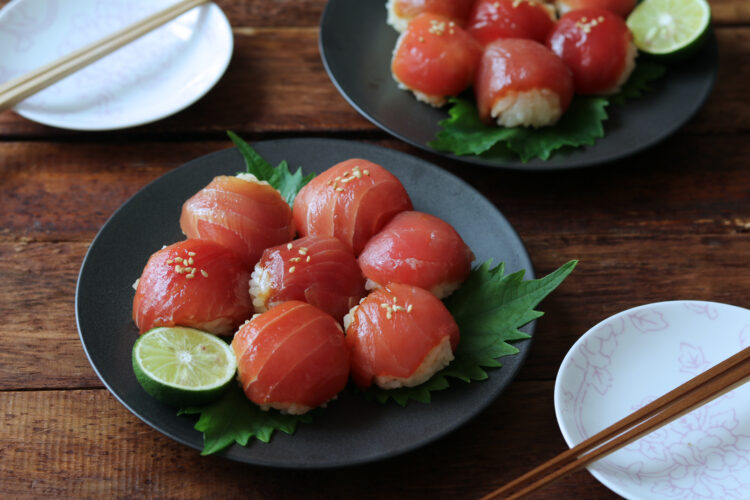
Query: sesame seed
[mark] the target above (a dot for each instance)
(288, 246)
(388, 314)
(295, 259)
(190, 276)
(366, 172)
(191, 254)
(178, 268)
(384, 304)
(421, 39)
(190, 261)
(408, 308)
(178, 259)
(357, 173)
(303, 251)
(338, 178)
(204, 273)
(339, 189)
(292, 269)
(307, 259)
(170, 262)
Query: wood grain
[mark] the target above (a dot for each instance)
(84, 444)
(264, 93)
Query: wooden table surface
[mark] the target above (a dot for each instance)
(670, 223)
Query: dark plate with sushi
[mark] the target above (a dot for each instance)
(352, 430)
(356, 46)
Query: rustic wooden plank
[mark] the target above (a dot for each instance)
(85, 444)
(606, 217)
(263, 92)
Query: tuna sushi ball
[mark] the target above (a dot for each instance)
(193, 283)
(522, 83)
(350, 201)
(400, 12)
(292, 358)
(417, 249)
(435, 59)
(399, 336)
(319, 270)
(598, 48)
(494, 19)
(241, 213)
(620, 7)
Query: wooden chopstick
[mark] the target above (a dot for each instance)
(19, 88)
(712, 383)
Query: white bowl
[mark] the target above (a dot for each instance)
(155, 76)
(633, 357)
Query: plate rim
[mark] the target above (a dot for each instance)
(557, 395)
(524, 345)
(208, 9)
(710, 41)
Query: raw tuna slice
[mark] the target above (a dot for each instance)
(319, 270)
(241, 213)
(292, 358)
(350, 201)
(417, 249)
(194, 283)
(399, 336)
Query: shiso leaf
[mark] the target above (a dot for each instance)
(234, 418)
(279, 177)
(638, 84)
(489, 308)
(463, 133)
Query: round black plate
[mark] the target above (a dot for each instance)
(351, 430)
(356, 45)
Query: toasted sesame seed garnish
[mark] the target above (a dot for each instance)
(339, 189)
(399, 308)
(204, 273)
(190, 261)
(178, 259)
(385, 304)
(408, 308)
(292, 269)
(289, 246)
(356, 173)
(338, 178)
(191, 254)
(366, 172)
(389, 314)
(307, 259)
(190, 276)
(303, 251)
(178, 268)
(329, 182)
(347, 179)
(437, 27)
(295, 259)
(170, 262)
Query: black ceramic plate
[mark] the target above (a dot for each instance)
(356, 45)
(351, 430)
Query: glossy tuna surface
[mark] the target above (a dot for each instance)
(458, 10)
(435, 56)
(494, 19)
(594, 44)
(292, 358)
(243, 215)
(399, 335)
(319, 270)
(193, 283)
(417, 249)
(515, 65)
(350, 201)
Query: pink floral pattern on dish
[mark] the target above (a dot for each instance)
(692, 360)
(704, 455)
(707, 309)
(648, 320)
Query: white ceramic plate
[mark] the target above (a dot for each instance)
(633, 357)
(159, 74)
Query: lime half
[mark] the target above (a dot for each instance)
(182, 366)
(669, 27)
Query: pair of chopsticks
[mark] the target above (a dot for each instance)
(712, 383)
(18, 89)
